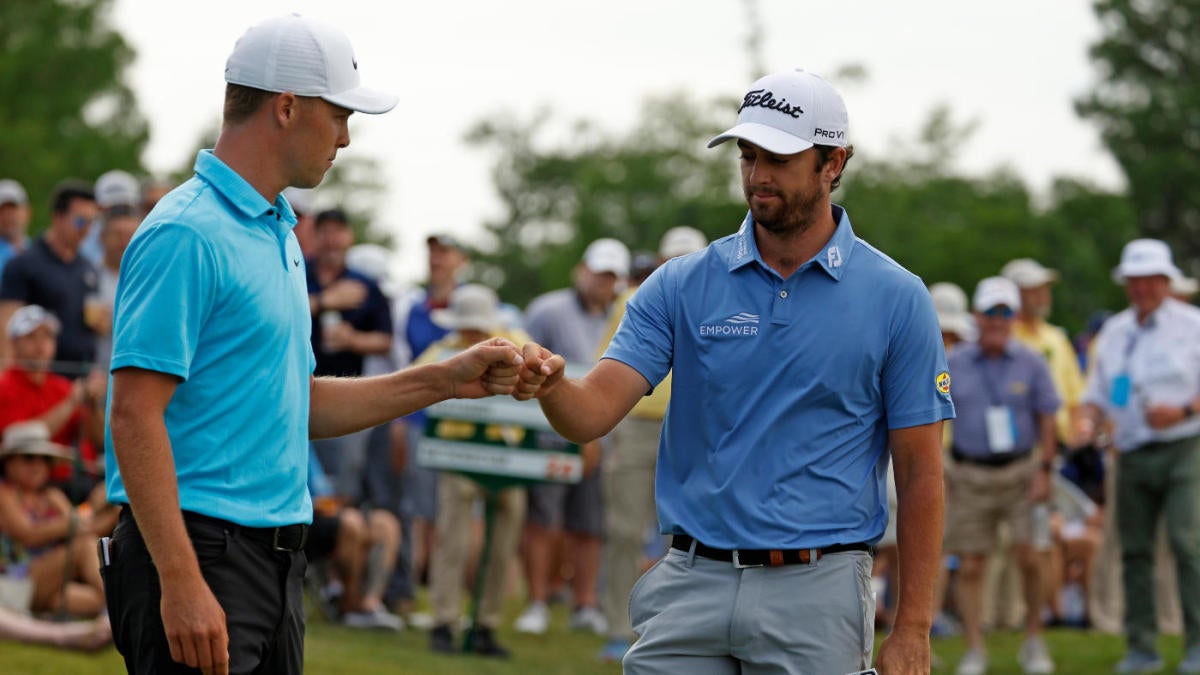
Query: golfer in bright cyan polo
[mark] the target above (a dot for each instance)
(803, 359)
(213, 400)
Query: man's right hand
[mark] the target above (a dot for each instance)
(542, 372)
(343, 294)
(195, 626)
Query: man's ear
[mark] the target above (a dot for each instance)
(834, 164)
(285, 108)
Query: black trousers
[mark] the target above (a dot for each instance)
(259, 588)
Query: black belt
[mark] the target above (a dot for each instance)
(998, 459)
(763, 557)
(290, 538)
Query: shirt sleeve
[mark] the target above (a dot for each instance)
(14, 284)
(1045, 396)
(916, 380)
(645, 337)
(379, 318)
(1096, 391)
(167, 288)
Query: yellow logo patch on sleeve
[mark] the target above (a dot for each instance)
(943, 382)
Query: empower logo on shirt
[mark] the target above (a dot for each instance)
(742, 324)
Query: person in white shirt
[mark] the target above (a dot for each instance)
(1145, 381)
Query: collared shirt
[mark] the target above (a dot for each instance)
(559, 322)
(374, 315)
(1017, 379)
(1162, 361)
(212, 291)
(37, 276)
(1055, 347)
(784, 390)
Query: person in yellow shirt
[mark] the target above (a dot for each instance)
(472, 316)
(628, 472)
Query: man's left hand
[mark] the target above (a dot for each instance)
(486, 369)
(1160, 416)
(904, 652)
(1039, 487)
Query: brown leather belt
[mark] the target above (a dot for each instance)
(764, 557)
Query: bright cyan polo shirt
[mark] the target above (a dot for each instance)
(784, 389)
(212, 290)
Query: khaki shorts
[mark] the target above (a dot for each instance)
(979, 498)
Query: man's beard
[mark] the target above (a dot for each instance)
(795, 215)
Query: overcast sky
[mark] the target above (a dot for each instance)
(1014, 66)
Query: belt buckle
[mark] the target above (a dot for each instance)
(275, 540)
(737, 562)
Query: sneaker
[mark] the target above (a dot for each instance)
(535, 619)
(589, 619)
(378, 618)
(441, 640)
(421, 620)
(1139, 661)
(1191, 662)
(1034, 658)
(485, 644)
(974, 662)
(613, 651)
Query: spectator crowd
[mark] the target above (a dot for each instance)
(1070, 470)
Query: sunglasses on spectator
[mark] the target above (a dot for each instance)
(1000, 311)
(81, 222)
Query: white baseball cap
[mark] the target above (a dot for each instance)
(28, 319)
(995, 291)
(1145, 258)
(607, 255)
(1028, 273)
(305, 57)
(117, 188)
(950, 303)
(11, 192)
(681, 240)
(472, 306)
(789, 112)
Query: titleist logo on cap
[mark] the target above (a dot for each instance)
(762, 98)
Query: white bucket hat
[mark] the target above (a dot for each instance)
(1145, 258)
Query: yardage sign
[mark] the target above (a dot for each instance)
(498, 441)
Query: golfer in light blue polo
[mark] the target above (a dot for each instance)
(804, 360)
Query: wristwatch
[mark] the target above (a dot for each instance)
(1188, 410)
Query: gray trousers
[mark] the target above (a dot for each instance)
(704, 617)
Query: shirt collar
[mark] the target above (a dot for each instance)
(1009, 348)
(237, 191)
(832, 258)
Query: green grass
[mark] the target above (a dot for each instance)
(335, 650)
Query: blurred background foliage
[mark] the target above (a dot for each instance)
(563, 183)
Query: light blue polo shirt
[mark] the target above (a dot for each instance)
(212, 290)
(784, 389)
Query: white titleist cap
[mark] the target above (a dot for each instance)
(1146, 258)
(305, 57)
(996, 291)
(790, 112)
